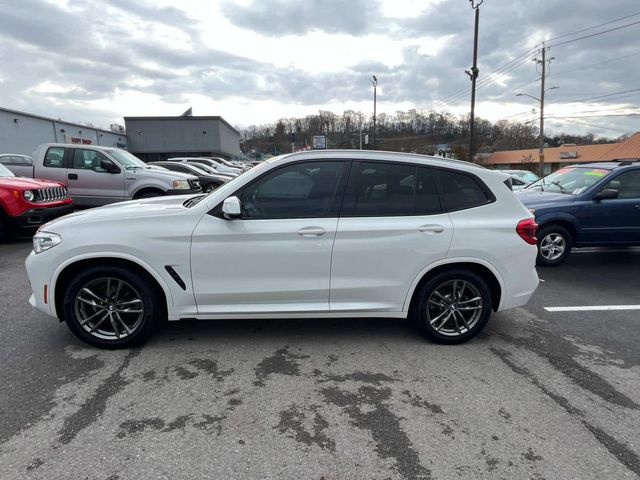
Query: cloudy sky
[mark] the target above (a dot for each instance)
(254, 61)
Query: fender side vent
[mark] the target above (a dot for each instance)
(175, 276)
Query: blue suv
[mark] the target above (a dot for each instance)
(594, 204)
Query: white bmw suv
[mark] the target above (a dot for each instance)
(314, 234)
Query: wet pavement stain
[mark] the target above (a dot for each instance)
(149, 376)
(211, 422)
(36, 463)
(417, 401)
(184, 374)
(93, 408)
(357, 376)
(282, 362)
(619, 450)
(369, 410)
(211, 367)
(504, 414)
(560, 353)
(531, 456)
(135, 427)
(292, 423)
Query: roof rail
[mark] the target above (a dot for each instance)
(626, 161)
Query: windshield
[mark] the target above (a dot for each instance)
(5, 172)
(570, 180)
(127, 160)
(198, 170)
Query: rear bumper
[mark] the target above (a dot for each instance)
(28, 222)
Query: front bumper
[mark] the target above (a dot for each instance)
(28, 222)
(184, 191)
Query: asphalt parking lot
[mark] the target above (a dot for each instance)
(540, 394)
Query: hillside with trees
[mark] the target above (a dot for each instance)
(411, 131)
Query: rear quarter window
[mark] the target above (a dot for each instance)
(461, 191)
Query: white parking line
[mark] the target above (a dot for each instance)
(592, 308)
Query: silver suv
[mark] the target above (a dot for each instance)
(101, 175)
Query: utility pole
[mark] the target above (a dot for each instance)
(473, 75)
(543, 75)
(374, 82)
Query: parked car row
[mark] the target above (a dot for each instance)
(92, 176)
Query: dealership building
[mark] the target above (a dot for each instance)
(159, 138)
(22, 132)
(149, 138)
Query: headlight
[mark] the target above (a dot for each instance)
(28, 195)
(181, 185)
(44, 241)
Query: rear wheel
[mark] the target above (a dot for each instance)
(452, 307)
(111, 307)
(554, 245)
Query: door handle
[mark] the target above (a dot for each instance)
(431, 228)
(72, 176)
(311, 231)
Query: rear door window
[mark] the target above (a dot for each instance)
(427, 197)
(382, 189)
(53, 157)
(461, 191)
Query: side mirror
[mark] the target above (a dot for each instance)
(109, 167)
(606, 194)
(231, 208)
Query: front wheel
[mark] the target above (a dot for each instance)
(111, 307)
(453, 307)
(554, 245)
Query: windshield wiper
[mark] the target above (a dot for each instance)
(557, 184)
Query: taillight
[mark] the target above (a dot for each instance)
(527, 230)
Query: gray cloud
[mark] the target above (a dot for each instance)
(95, 57)
(284, 17)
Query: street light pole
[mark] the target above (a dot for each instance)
(374, 82)
(473, 75)
(541, 101)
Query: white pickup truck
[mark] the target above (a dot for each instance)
(101, 175)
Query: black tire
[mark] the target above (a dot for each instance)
(453, 331)
(135, 283)
(549, 233)
(150, 194)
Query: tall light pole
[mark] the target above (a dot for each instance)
(374, 82)
(473, 74)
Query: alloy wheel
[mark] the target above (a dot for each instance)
(454, 308)
(552, 246)
(109, 308)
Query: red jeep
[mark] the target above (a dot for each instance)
(25, 203)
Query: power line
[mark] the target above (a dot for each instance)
(600, 96)
(591, 28)
(598, 116)
(595, 64)
(595, 34)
